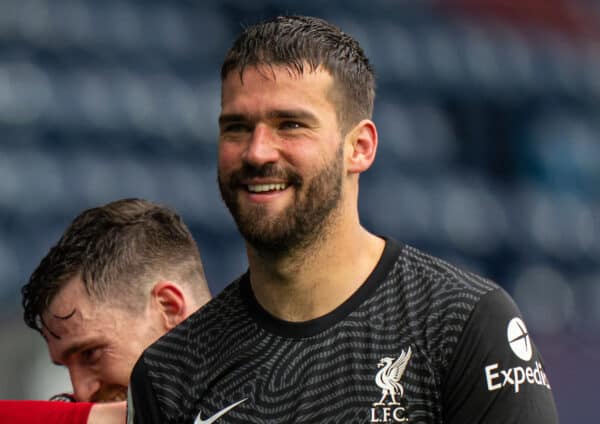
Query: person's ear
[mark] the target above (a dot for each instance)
(169, 300)
(362, 144)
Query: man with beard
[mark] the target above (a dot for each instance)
(331, 323)
(122, 275)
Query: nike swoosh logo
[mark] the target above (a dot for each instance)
(218, 415)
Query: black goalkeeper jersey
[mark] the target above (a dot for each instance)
(419, 342)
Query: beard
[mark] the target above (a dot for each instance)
(301, 223)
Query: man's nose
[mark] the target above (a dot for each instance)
(85, 384)
(262, 146)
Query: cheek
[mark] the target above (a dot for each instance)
(119, 374)
(229, 156)
(117, 366)
(310, 161)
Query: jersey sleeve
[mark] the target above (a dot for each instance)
(43, 412)
(142, 403)
(497, 374)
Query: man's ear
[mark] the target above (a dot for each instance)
(362, 143)
(169, 300)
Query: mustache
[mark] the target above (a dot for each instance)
(113, 394)
(268, 170)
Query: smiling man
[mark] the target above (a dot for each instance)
(256, 188)
(122, 275)
(331, 323)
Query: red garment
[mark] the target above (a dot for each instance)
(43, 412)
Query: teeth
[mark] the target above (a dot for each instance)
(259, 188)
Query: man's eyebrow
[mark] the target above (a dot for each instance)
(232, 117)
(299, 114)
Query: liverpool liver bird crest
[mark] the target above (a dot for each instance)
(388, 377)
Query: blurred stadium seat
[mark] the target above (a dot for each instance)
(488, 154)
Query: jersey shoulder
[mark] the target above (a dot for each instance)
(438, 298)
(440, 277)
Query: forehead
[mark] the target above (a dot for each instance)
(73, 321)
(69, 311)
(276, 86)
(72, 295)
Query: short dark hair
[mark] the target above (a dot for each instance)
(297, 41)
(117, 250)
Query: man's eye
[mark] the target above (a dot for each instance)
(91, 356)
(290, 125)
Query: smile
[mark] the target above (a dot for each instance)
(261, 188)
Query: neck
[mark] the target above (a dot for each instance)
(313, 281)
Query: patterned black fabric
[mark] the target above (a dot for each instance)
(412, 310)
